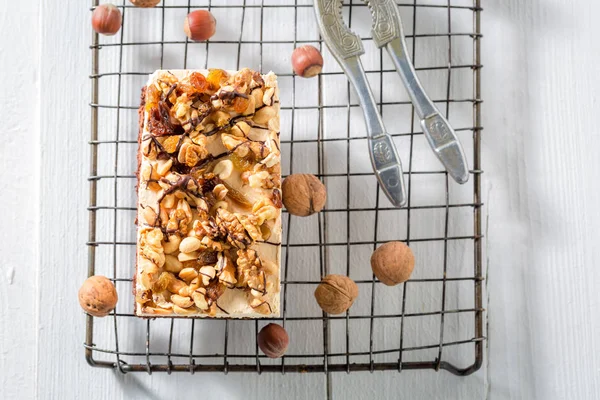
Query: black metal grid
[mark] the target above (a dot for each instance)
(127, 341)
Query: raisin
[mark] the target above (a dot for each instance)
(242, 163)
(160, 122)
(152, 94)
(207, 258)
(198, 82)
(214, 290)
(240, 104)
(216, 77)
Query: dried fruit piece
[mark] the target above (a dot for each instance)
(216, 78)
(152, 97)
(240, 104)
(214, 290)
(207, 258)
(170, 143)
(159, 121)
(198, 82)
(243, 163)
(162, 282)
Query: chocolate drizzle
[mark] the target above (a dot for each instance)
(171, 90)
(228, 95)
(221, 308)
(204, 110)
(263, 303)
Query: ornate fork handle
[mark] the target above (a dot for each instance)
(347, 48)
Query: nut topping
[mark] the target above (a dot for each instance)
(336, 293)
(223, 169)
(210, 195)
(98, 296)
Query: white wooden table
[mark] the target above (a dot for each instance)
(540, 86)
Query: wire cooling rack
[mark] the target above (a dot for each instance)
(433, 321)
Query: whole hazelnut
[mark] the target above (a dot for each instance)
(106, 19)
(336, 293)
(303, 194)
(199, 25)
(273, 340)
(307, 61)
(98, 296)
(393, 263)
(144, 3)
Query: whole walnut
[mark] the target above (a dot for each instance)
(393, 263)
(336, 293)
(98, 296)
(303, 194)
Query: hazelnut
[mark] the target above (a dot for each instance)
(307, 61)
(98, 296)
(303, 194)
(273, 340)
(199, 25)
(392, 263)
(106, 19)
(144, 3)
(336, 293)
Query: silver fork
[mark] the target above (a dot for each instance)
(387, 31)
(347, 48)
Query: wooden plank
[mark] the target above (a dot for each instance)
(19, 174)
(541, 88)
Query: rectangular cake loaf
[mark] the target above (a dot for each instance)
(209, 199)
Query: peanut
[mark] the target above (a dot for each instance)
(172, 245)
(189, 245)
(172, 264)
(180, 301)
(187, 256)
